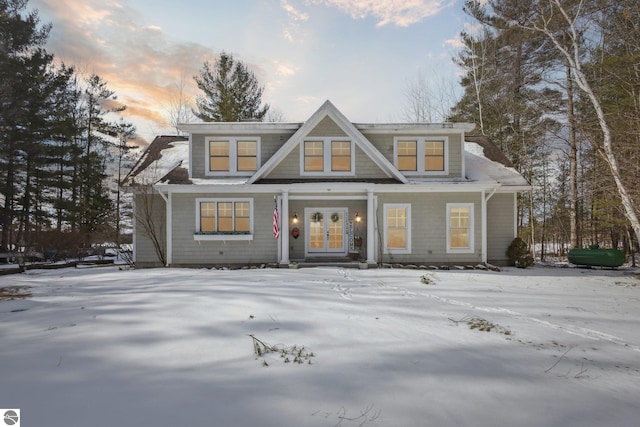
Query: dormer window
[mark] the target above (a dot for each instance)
(421, 155)
(327, 156)
(232, 156)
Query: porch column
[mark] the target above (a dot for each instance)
(371, 220)
(284, 228)
(169, 229)
(484, 226)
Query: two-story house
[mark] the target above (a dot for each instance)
(325, 190)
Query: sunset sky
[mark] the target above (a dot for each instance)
(360, 54)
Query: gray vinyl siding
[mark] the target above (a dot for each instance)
(327, 127)
(288, 168)
(145, 254)
(500, 227)
(384, 144)
(365, 167)
(429, 227)
(269, 144)
(190, 252)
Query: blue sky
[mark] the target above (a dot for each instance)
(360, 54)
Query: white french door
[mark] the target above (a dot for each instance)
(325, 231)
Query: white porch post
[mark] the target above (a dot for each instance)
(371, 220)
(284, 228)
(169, 228)
(484, 226)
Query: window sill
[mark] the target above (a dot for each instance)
(222, 237)
(425, 173)
(228, 174)
(388, 251)
(460, 251)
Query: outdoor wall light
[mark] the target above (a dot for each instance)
(295, 218)
(358, 218)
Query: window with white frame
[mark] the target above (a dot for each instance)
(232, 156)
(397, 228)
(460, 230)
(421, 155)
(224, 219)
(327, 156)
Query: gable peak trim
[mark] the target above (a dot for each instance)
(327, 109)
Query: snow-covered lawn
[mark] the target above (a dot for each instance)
(172, 347)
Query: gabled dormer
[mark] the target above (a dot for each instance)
(422, 150)
(233, 150)
(327, 147)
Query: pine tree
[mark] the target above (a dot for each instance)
(231, 92)
(23, 65)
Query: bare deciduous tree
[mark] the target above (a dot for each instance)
(429, 100)
(180, 108)
(150, 220)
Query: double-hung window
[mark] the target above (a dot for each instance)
(327, 156)
(226, 156)
(397, 228)
(224, 219)
(422, 155)
(460, 229)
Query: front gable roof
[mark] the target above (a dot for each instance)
(328, 110)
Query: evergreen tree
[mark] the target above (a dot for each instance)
(23, 68)
(53, 143)
(231, 92)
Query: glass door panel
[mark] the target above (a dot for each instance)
(326, 230)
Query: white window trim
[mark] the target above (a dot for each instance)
(327, 158)
(471, 248)
(225, 237)
(233, 155)
(392, 251)
(420, 154)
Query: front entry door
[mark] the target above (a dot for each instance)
(325, 230)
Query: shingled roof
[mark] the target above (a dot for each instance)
(165, 160)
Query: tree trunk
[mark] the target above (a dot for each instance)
(574, 240)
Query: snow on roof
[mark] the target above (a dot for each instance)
(480, 168)
(165, 160)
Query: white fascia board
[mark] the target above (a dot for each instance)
(327, 188)
(411, 128)
(234, 127)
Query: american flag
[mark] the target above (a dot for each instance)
(276, 224)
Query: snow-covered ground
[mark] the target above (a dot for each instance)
(172, 347)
